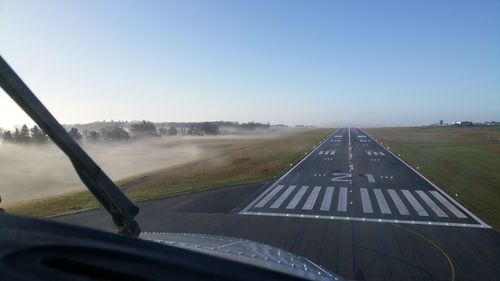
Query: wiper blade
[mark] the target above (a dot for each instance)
(122, 210)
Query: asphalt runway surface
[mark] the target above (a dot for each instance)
(351, 206)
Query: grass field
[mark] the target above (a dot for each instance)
(234, 161)
(464, 162)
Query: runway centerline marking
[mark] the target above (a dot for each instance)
(370, 177)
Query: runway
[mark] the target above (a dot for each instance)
(352, 177)
(350, 205)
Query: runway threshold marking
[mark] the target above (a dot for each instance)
(365, 201)
(447, 204)
(342, 206)
(384, 208)
(327, 199)
(312, 198)
(435, 208)
(414, 203)
(297, 197)
(398, 202)
(269, 196)
(283, 197)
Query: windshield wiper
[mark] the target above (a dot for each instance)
(107, 193)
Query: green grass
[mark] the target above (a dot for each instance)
(462, 161)
(235, 161)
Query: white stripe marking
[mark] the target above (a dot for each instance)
(365, 201)
(269, 196)
(399, 203)
(381, 153)
(448, 205)
(321, 152)
(384, 208)
(283, 197)
(368, 152)
(312, 198)
(414, 203)
(375, 153)
(328, 217)
(370, 177)
(327, 200)
(297, 197)
(431, 204)
(342, 206)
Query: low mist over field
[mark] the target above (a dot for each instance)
(30, 171)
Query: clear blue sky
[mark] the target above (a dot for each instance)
(292, 62)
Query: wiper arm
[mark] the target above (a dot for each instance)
(107, 193)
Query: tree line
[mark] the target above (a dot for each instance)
(25, 135)
(137, 130)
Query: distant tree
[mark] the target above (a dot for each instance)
(162, 131)
(23, 136)
(7, 137)
(117, 134)
(17, 135)
(143, 128)
(172, 130)
(75, 134)
(93, 136)
(38, 136)
(209, 128)
(194, 130)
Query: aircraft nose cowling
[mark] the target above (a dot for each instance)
(246, 251)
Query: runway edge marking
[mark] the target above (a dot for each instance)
(244, 211)
(481, 222)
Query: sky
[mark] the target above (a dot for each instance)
(326, 63)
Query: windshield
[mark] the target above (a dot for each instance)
(363, 137)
